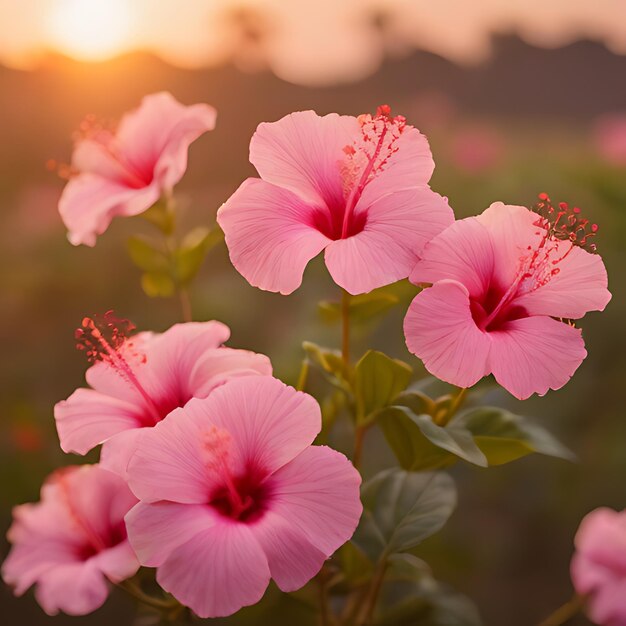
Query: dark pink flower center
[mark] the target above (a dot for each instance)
(242, 496)
(490, 313)
(363, 160)
(132, 174)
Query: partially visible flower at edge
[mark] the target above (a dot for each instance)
(232, 493)
(137, 380)
(499, 280)
(354, 187)
(598, 567)
(72, 541)
(126, 170)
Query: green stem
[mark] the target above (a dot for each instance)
(371, 599)
(326, 618)
(134, 590)
(345, 328)
(565, 613)
(458, 400)
(359, 436)
(185, 304)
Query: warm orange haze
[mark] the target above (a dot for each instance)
(522, 103)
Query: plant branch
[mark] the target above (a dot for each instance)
(345, 328)
(565, 613)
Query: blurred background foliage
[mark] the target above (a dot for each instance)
(524, 121)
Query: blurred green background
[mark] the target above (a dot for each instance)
(524, 121)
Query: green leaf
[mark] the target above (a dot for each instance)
(363, 307)
(146, 255)
(330, 363)
(158, 284)
(504, 436)
(356, 567)
(401, 509)
(378, 380)
(420, 444)
(193, 249)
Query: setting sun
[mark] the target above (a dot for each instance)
(90, 29)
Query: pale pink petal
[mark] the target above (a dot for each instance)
(101, 498)
(398, 226)
(269, 422)
(608, 604)
(156, 529)
(88, 417)
(302, 152)
(462, 252)
(217, 572)
(218, 366)
(117, 451)
(292, 559)
(89, 203)
(269, 234)
(117, 563)
(411, 164)
(534, 354)
(579, 286)
(513, 230)
(94, 157)
(318, 493)
(155, 137)
(169, 462)
(75, 589)
(440, 330)
(600, 549)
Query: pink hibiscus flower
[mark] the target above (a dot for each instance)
(137, 381)
(124, 172)
(356, 187)
(232, 493)
(599, 565)
(499, 282)
(71, 541)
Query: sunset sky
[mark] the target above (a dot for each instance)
(305, 41)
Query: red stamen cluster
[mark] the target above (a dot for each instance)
(565, 223)
(102, 335)
(94, 128)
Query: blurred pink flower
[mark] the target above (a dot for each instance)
(356, 187)
(499, 282)
(476, 150)
(71, 541)
(232, 493)
(125, 172)
(599, 565)
(609, 138)
(139, 380)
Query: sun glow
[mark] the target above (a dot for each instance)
(90, 30)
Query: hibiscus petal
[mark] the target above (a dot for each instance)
(88, 417)
(117, 563)
(89, 203)
(117, 451)
(440, 330)
(156, 529)
(218, 366)
(169, 461)
(269, 422)
(269, 235)
(217, 572)
(534, 354)
(155, 137)
(462, 252)
(75, 589)
(318, 493)
(302, 152)
(292, 559)
(398, 226)
(607, 605)
(579, 286)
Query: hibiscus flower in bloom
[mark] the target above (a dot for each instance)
(356, 187)
(137, 380)
(599, 565)
(232, 494)
(503, 285)
(72, 541)
(125, 171)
